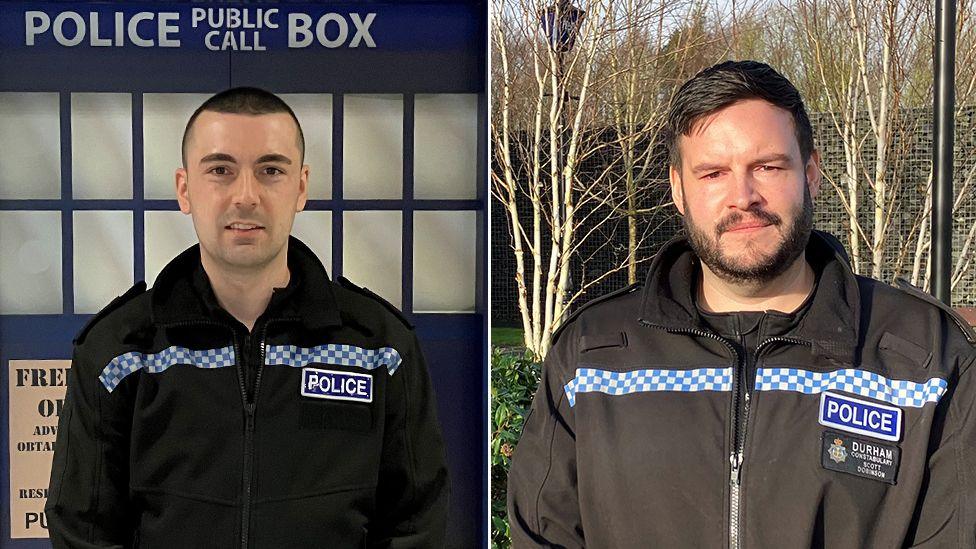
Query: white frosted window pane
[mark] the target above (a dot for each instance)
(167, 234)
(444, 261)
(372, 248)
(372, 146)
(164, 117)
(102, 258)
(30, 146)
(30, 262)
(314, 112)
(445, 135)
(101, 145)
(315, 230)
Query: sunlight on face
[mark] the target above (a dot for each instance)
(744, 191)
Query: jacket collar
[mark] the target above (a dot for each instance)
(830, 324)
(309, 298)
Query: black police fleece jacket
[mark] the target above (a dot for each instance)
(182, 429)
(850, 424)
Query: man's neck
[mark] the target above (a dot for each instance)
(786, 293)
(245, 294)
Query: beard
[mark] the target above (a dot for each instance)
(749, 266)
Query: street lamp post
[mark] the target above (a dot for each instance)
(940, 254)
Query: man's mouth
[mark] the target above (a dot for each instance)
(244, 228)
(747, 226)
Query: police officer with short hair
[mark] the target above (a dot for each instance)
(246, 400)
(754, 391)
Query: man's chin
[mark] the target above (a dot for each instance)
(749, 266)
(246, 258)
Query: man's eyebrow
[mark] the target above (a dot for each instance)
(776, 157)
(705, 166)
(218, 157)
(274, 158)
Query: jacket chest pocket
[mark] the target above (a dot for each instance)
(345, 416)
(336, 399)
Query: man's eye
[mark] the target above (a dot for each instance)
(271, 170)
(768, 168)
(712, 175)
(219, 170)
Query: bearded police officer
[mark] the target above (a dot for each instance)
(754, 391)
(246, 400)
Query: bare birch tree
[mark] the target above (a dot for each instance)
(554, 155)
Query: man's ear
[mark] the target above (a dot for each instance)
(182, 191)
(677, 191)
(302, 189)
(814, 175)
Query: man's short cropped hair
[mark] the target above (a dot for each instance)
(721, 85)
(244, 100)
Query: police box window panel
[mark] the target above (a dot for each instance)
(445, 146)
(30, 265)
(30, 137)
(372, 251)
(101, 145)
(372, 146)
(164, 117)
(102, 255)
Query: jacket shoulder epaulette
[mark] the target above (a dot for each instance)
(591, 303)
(345, 283)
(138, 289)
(917, 292)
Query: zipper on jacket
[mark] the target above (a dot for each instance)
(249, 409)
(739, 436)
(740, 418)
(738, 455)
(735, 457)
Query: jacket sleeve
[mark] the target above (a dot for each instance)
(543, 502)
(414, 490)
(88, 497)
(946, 511)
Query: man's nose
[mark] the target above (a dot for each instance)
(744, 194)
(245, 190)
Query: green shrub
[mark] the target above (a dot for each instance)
(514, 378)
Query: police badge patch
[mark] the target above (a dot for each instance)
(837, 451)
(859, 416)
(335, 385)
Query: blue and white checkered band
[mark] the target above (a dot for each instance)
(859, 382)
(129, 363)
(342, 355)
(592, 380)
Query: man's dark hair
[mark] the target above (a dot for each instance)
(244, 100)
(721, 85)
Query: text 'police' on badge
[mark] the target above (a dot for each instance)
(334, 385)
(860, 416)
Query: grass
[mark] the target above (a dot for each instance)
(507, 337)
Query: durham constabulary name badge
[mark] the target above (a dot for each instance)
(860, 456)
